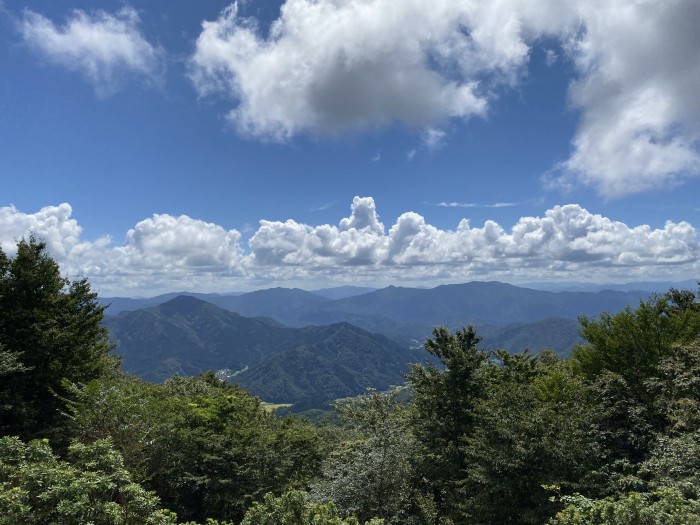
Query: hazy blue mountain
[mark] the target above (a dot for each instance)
(187, 336)
(341, 292)
(407, 315)
(282, 304)
(116, 305)
(645, 286)
(559, 335)
(411, 312)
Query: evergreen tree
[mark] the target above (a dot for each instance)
(444, 399)
(50, 332)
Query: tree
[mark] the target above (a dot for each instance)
(91, 486)
(292, 508)
(630, 361)
(206, 447)
(631, 343)
(51, 327)
(665, 507)
(369, 474)
(444, 399)
(529, 431)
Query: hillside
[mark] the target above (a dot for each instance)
(187, 336)
(344, 361)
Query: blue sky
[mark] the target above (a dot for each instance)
(379, 142)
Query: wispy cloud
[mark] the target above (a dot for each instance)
(551, 57)
(473, 204)
(323, 207)
(377, 157)
(107, 49)
(434, 139)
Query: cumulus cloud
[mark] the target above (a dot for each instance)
(161, 252)
(53, 223)
(107, 49)
(356, 241)
(165, 252)
(168, 242)
(640, 72)
(329, 66)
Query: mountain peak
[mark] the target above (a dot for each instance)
(184, 304)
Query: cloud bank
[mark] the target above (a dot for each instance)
(107, 49)
(165, 253)
(329, 66)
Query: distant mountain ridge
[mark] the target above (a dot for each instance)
(290, 345)
(407, 315)
(479, 302)
(644, 286)
(188, 336)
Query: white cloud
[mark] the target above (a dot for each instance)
(164, 252)
(454, 204)
(329, 66)
(357, 241)
(168, 242)
(107, 49)
(434, 139)
(551, 57)
(53, 223)
(640, 72)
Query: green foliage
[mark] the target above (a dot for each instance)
(207, 448)
(665, 507)
(292, 508)
(675, 462)
(369, 474)
(10, 363)
(676, 387)
(633, 342)
(637, 377)
(444, 400)
(50, 331)
(528, 431)
(91, 486)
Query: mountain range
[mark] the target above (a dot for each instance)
(290, 345)
(407, 315)
(187, 336)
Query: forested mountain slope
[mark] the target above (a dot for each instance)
(187, 336)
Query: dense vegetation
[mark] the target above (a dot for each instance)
(610, 435)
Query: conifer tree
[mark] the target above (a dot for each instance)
(51, 327)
